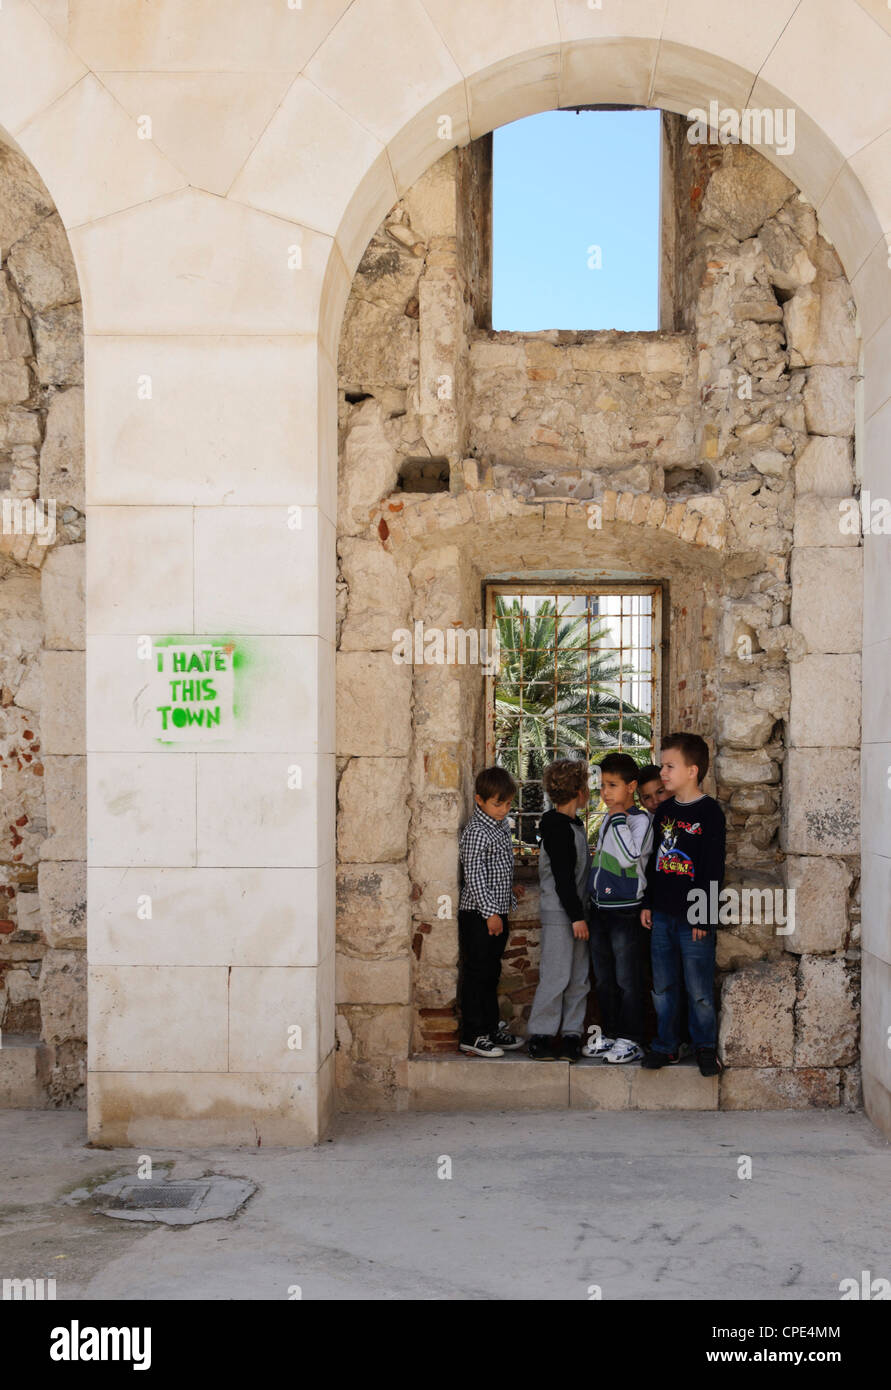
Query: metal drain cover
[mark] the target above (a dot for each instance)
(173, 1203)
(154, 1196)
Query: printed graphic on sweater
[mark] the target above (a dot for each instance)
(670, 859)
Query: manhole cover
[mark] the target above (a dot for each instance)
(142, 1196)
(172, 1203)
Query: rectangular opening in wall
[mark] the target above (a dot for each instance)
(579, 677)
(576, 221)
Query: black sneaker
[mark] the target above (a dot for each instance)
(482, 1047)
(509, 1042)
(654, 1060)
(539, 1048)
(708, 1061)
(569, 1048)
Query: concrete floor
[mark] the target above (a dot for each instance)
(539, 1205)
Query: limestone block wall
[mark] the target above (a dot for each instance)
(718, 455)
(42, 868)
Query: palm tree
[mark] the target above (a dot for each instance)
(555, 696)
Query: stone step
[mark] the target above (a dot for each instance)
(21, 1087)
(449, 1082)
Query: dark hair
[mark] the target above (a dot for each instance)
(564, 779)
(692, 748)
(622, 765)
(650, 773)
(494, 783)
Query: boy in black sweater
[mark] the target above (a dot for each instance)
(688, 856)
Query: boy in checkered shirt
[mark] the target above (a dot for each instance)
(487, 861)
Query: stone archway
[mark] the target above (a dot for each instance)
(42, 548)
(351, 102)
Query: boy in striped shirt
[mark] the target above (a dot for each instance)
(618, 879)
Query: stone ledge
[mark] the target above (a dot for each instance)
(697, 521)
(515, 1082)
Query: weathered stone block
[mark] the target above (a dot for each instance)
(826, 598)
(772, 1088)
(821, 812)
(374, 911)
(741, 724)
(818, 521)
(42, 266)
(62, 455)
(62, 889)
(62, 594)
(372, 823)
(435, 986)
(63, 996)
(826, 1024)
(825, 709)
(379, 596)
(744, 192)
(757, 1025)
(824, 467)
(64, 702)
(434, 867)
(829, 401)
(820, 325)
(746, 769)
(373, 705)
(821, 903)
(379, 1031)
(59, 346)
(66, 809)
(372, 981)
(369, 468)
(439, 946)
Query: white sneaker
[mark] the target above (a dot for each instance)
(624, 1050)
(597, 1044)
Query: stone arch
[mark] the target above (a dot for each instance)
(351, 119)
(42, 550)
(860, 255)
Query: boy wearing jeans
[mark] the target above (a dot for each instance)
(617, 885)
(487, 859)
(688, 854)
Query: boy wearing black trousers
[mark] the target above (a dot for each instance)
(487, 860)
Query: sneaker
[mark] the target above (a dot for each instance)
(508, 1042)
(597, 1043)
(482, 1047)
(708, 1061)
(569, 1048)
(654, 1060)
(539, 1048)
(624, 1050)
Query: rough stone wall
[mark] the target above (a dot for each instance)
(42, 804)
(718, 455)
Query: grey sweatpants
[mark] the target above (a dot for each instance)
(559, 1003)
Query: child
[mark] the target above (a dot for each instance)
(688, 854)
(651, 793)
(487, 858)
(650, 788)
(617, 884)
(563, 867)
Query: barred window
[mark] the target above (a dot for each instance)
(579, 677)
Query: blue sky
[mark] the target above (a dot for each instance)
(563, 182)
